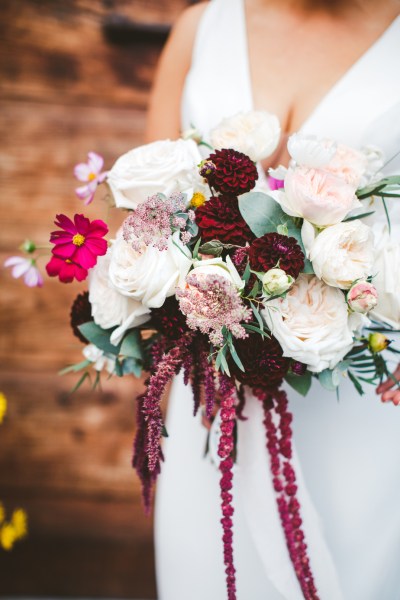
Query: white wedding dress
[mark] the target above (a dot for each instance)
(348, 452)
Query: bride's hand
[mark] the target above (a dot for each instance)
(385, 389)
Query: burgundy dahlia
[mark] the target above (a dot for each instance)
(233, 172)
(220, 219)
(263, 361)
(272, 248)
(81, 312)
(169, 320)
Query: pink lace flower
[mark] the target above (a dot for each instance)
(65, 270)
(79, 241)
(91, 173)
(210, 303)
(27, 268)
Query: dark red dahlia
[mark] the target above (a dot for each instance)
(81, 312)
(220, 219)
(169, 320)
(273, 248)
(263, 361)
(232, 173)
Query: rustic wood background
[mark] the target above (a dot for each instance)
(74, 77)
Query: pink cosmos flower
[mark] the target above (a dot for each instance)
(91, 173)
(26, 267)
(79, 242)
(65, 270)
(275, 184)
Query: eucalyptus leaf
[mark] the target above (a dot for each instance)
(356, 383)
(329, 379)
(131, 366)
(99, 337)
(214, 247)
(300, 383)
(131, 345)
(79, 382)
(261, 212)
(75, 368)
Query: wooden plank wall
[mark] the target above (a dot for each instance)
(66, 90)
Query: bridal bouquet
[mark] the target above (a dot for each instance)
(242, 282)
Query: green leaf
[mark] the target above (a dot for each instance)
(131, 345)
(196, 249)
(235, 356)
(247, 273)
(359, 216)
(99, 337)
(300, 383)
(250, 327)
(261, 212)
(118, 368)
(131, 365)
(224, 364)
(329, 379)
(75, 368)
(215, 248)
(79, 383)
(164, 431)
(257, 316)
(356, 383)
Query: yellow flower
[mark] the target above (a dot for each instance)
(3, 406)
(19, 521)
(378, 342)
(2, 513)
(7, 536)
(197, 200)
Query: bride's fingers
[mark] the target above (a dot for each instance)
(389, 383)
(392, 396)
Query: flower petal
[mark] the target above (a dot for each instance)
(33, 278)
(82, 192)
(82, 224)
(65, 223)
(14, 260)
(95, 162)
(84, 257)
(82, 171)
(96, 246)
(64, 251)
(21, 269)
(97, 228)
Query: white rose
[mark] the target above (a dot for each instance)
(110, 308)
(310, 151)
(276, 281)
(343, 253)
(255, 133)
(387, 274)
(316, 195)
(216, 266)
(160, 167)
(98, 358)
(149, 276)
(312, 323)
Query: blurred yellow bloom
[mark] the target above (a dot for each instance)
(7, 536)
(197, 200)
(19, 521)
(3, 406)
(2, 513)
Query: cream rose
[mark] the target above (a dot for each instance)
(255, 133)
(387, 274)
(343, 253)
(316, 195)
(312, 324)
(160, 167)
(310, 151)
(149, 276)
(348, 164)
(110, 308)
(216, 266)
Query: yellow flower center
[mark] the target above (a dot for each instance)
(197, 199)
(78, 239)
(91, 176)
(3, 406)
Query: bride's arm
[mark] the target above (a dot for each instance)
(164, 112)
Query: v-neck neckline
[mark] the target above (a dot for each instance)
(336, 85)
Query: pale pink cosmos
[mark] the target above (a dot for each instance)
(362, 297)
(27, 268)
(90, 172)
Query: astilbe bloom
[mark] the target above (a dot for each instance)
(27, 268)
(76, 247)
(210, 303)
(274, 249)
(230, 172)
(263, 361)
(91, 173)
(154, 221)
(219, 218)
(81, 312)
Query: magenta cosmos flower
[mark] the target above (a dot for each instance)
(66, 270)
(27, 268)
(80, 241)
(89, 172)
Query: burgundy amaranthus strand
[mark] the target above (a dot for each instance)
(225, 450)
(147, 449)
(279, 445)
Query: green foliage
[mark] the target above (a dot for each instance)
(300, 383)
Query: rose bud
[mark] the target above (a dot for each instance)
(377, 342)
(362, 297)
(275, 282)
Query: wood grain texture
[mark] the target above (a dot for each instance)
(66, 90)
